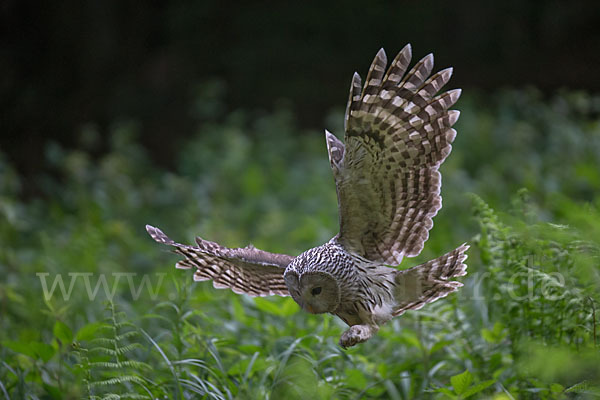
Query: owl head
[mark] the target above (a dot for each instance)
(315, 291)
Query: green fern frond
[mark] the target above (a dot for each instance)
(114, 396)
(133, 396)
(106, 364)
(118, 380)
(105, 350)
(127, 335)
(117, 365)
(126, 324)
(117, 350)
(128, 348)
(103, 341)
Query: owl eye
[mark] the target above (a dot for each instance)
(316, 291)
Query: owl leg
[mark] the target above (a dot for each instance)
(357, 334)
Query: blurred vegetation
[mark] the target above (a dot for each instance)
(62, 66)
(522, 186)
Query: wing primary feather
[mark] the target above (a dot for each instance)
(398, 68)
(158, 235)
(335, 151)
(417, 75)
(353, 98)
(374, 77)
(435, 83)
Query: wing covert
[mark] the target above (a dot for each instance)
(245, 270)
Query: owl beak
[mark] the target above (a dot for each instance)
(310, 309)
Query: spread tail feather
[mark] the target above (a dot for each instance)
(428, 282)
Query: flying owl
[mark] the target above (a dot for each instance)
(398, 131)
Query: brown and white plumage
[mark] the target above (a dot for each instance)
(398, 132)
(245, 270)
(397, 135)
(428, 282)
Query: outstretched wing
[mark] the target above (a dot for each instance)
(398, 132)
(428, 282)
(245, 270)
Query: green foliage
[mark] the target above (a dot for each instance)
(90, 307)
(105, 364)
(463, 386)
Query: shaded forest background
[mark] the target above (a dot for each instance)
(66, 65)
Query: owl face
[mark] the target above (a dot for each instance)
(315, 292)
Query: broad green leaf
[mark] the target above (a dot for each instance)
(439, 345)
(53, 391)
(461, 382)
(43, 350)
(382, 369)
(267, 306)
(239, 367)
(488, 335)
(499, 329)
(376, 391)
(289, 307)
(282, 308)
(355, 378)
(62, 332)
(249, 348)
(495, 335)
(19, 347)
(36, 350)
(410, 338)
(557, 388)
(447, 392)
(238, 311)
(88, 331)
(477, 388)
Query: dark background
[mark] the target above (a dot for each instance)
(67, 64)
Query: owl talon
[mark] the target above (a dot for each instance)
(357, 334)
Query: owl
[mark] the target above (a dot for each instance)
(398, 131)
